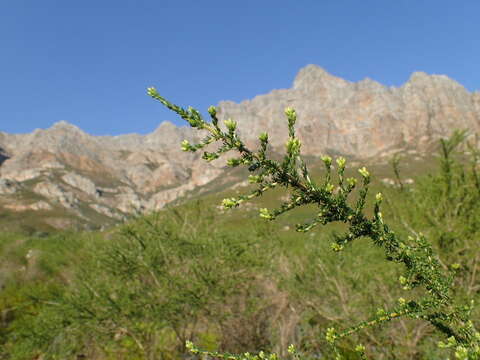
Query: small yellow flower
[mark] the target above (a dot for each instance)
(327, 160)
(263, 137)
(186, 145)
(360, 348)
(230, 124)
(229, 203)
(151, 91)
(331, 335)
(290, 112)
(341, 162)
(364, 172)
(264, 213)
(212, 110)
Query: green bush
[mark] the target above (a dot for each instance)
(432, 300)
(157, 282)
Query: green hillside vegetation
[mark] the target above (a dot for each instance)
(234, 282)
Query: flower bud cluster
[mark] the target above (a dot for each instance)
(293, 146)
(331, 335)
(186, 146)
(327, 160)
(234, 162)
(255, 179)
(364, 172)
(341, 163)
(212, 110)
(264, 213)
(230, 124)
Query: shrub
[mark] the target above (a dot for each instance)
(145, 290)
(431, 300)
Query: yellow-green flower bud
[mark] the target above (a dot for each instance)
(212, 110)
(329, 188)
(379, 197)
(455, 266)
(264, 213)
(254, 179)
(291, 349)
(341, 162)
(327, 160)
(186, 145)
(291, 115)
(151, 91)
(263, 137)
(230, 124)
(191, 347)
(352, 182)
(210, 156)
(293, 145)
(360, 348)
(331, 335)
(380, 312)
(290, 112)
(229, 203)
(233, 162)
(461, 353)
(364, 172)
(402, 301)
(336, 247)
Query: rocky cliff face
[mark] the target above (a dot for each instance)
(62, 170)
(362, 119)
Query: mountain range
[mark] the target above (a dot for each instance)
(64, 176)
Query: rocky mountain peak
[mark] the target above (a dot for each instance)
(314, 76)
(65, 126)
(165, 128)
(370, 85)
(440, 82)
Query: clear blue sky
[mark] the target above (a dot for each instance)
(89, 62)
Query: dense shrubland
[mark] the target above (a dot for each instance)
(142, 290)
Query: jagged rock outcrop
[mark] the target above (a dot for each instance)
(117, 175)
(106, 211)
(39, 205)
(80, 182)
(360, 119)
(8, 186)
(56, 193)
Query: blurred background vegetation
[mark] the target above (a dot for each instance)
(233, 282)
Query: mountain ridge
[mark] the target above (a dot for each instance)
(112, 176)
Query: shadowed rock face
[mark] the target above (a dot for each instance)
(3, 156)
(115, 175)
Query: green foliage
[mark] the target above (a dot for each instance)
(431, 300)
(155, 283)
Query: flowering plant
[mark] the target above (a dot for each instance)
(422, 270)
